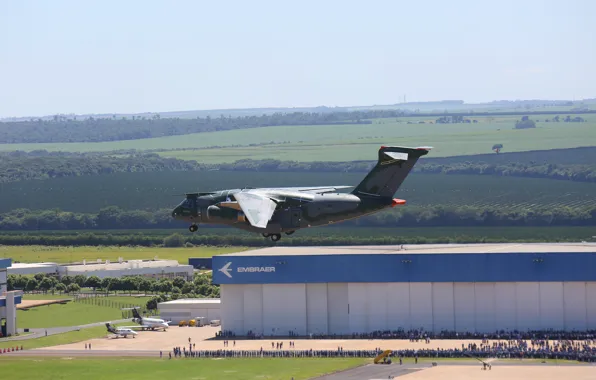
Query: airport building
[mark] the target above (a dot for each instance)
(186, 309)
(8, 303)
(150, 268)
(464, 288)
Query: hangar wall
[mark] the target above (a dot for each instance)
(345, 308)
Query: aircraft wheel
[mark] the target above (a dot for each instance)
(193, 228)
(275, 237)
(265, 235)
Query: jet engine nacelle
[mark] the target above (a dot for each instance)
(215, 213)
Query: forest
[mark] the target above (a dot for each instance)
(199, 287)
(113, 218)
(577, 164)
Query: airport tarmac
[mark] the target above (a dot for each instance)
(202, 337)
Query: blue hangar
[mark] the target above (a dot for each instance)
(463, 288)
(8, 303)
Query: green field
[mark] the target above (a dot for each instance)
(71, 314)
(349, 142)
(357, 142)
(146, 369)
(158, 190)
(540, 233)
(57, 339)
(33, 253)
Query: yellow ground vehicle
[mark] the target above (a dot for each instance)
(182, 324)
(383, 358)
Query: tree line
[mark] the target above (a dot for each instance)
(96, 129)
(201, 286)
(20, 166)
(114, 218)
(213, 238)
(93, 129)
(579, 173)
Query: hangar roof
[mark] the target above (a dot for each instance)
(5, 263)
(32, 265)
(423, 249)
(187, 301)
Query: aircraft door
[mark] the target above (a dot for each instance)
(295, 217)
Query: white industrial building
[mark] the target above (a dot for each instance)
(464, 288)
(186, 309)
(8, 303)
(149, 268)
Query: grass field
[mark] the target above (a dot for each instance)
(157, 190)
(70, 314)
(430, 232)
(354, 142)
(59, 339)
(32, 253)
(349, 142)
(146, 369)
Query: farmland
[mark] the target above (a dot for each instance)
(33, 253)
(347, 142)
(153, 191)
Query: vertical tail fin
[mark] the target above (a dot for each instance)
(393, 166)
(135, 313)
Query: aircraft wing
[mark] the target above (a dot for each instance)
(136, 327)
(257, 207)
(316, 189)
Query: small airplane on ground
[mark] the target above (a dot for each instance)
(120, 331)
(273, 211)
(148, 323)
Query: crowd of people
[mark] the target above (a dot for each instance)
(580, 346)
(418, 335)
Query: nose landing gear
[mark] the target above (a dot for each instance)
(193, 228)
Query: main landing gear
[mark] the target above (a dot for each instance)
(193, 228)
(273, 237)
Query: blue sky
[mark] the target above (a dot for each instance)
(148, 56)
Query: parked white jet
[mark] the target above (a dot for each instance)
(149, 323)
(120, 331)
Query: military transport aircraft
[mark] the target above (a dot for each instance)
(273, 211)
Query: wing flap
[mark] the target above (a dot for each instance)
(258, 208)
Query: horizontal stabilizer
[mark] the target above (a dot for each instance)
(398, 156)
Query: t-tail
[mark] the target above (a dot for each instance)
(392, 168)
(135, 314)
(110, 328)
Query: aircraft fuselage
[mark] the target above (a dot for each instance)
(296, 210)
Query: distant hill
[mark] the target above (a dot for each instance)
(431, 106)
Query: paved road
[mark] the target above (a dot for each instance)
(382, 371)
(37, 333)
(376, 371)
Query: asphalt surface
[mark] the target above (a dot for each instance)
(385, 371)
(37, 333)
(376, 371)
